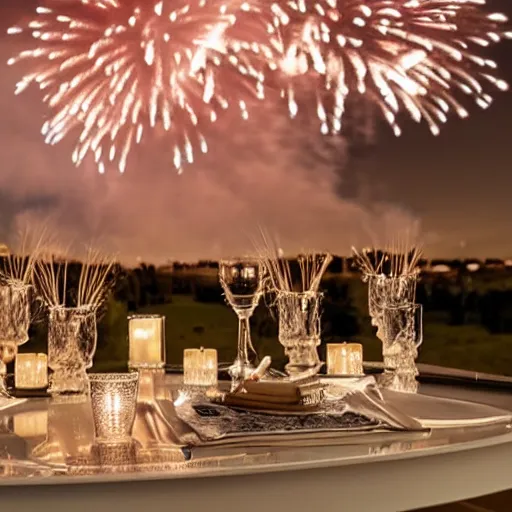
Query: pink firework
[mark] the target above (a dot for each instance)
(112, 71)
(421, 56)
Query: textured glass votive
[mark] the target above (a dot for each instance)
(200, 367)
(344, 359)
(31, 371)
(113, 398)
(147, 341)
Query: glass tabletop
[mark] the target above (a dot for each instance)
(43, 438)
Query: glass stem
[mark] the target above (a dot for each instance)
(3, 380)
(243, 341)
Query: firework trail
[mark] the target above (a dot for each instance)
(114, 70)
(415, 55)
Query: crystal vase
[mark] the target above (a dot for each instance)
(14, 324)
(402, 334)
(72, 340)
(299, 330)
(389, 290)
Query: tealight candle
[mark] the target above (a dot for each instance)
(31, 424)
(31, 371)
(344, 359)
(200, 367)
(147, 341)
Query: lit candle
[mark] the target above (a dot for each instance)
(31, 371)
(31, 424)
(113, 398)
(344, 359)
(147, 341)
(113, 409)
(200, 367)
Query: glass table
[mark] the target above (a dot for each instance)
(458, 459)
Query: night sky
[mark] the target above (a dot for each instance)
(459, 183)
(270, 172)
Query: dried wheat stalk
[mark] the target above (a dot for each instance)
(278, 272)
(51, 277)
(18, 266)
(399, 258)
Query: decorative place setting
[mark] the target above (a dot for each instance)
(260, 409)
(141, 421)
(124, 422)
(198, 419)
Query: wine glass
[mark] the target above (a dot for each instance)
(242, 280)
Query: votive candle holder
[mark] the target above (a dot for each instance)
(113, 398)
(147, 341)
(344, 359)
(31, 424)
(200, 367)
(31, 371)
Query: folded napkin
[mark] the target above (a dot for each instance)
(285, 396)
(263, 405)
(284, 389)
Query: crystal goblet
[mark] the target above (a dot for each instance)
(241, 280)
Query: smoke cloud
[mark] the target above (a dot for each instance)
(268, 171)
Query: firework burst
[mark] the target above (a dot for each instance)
(114, 70)
(417, 55)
